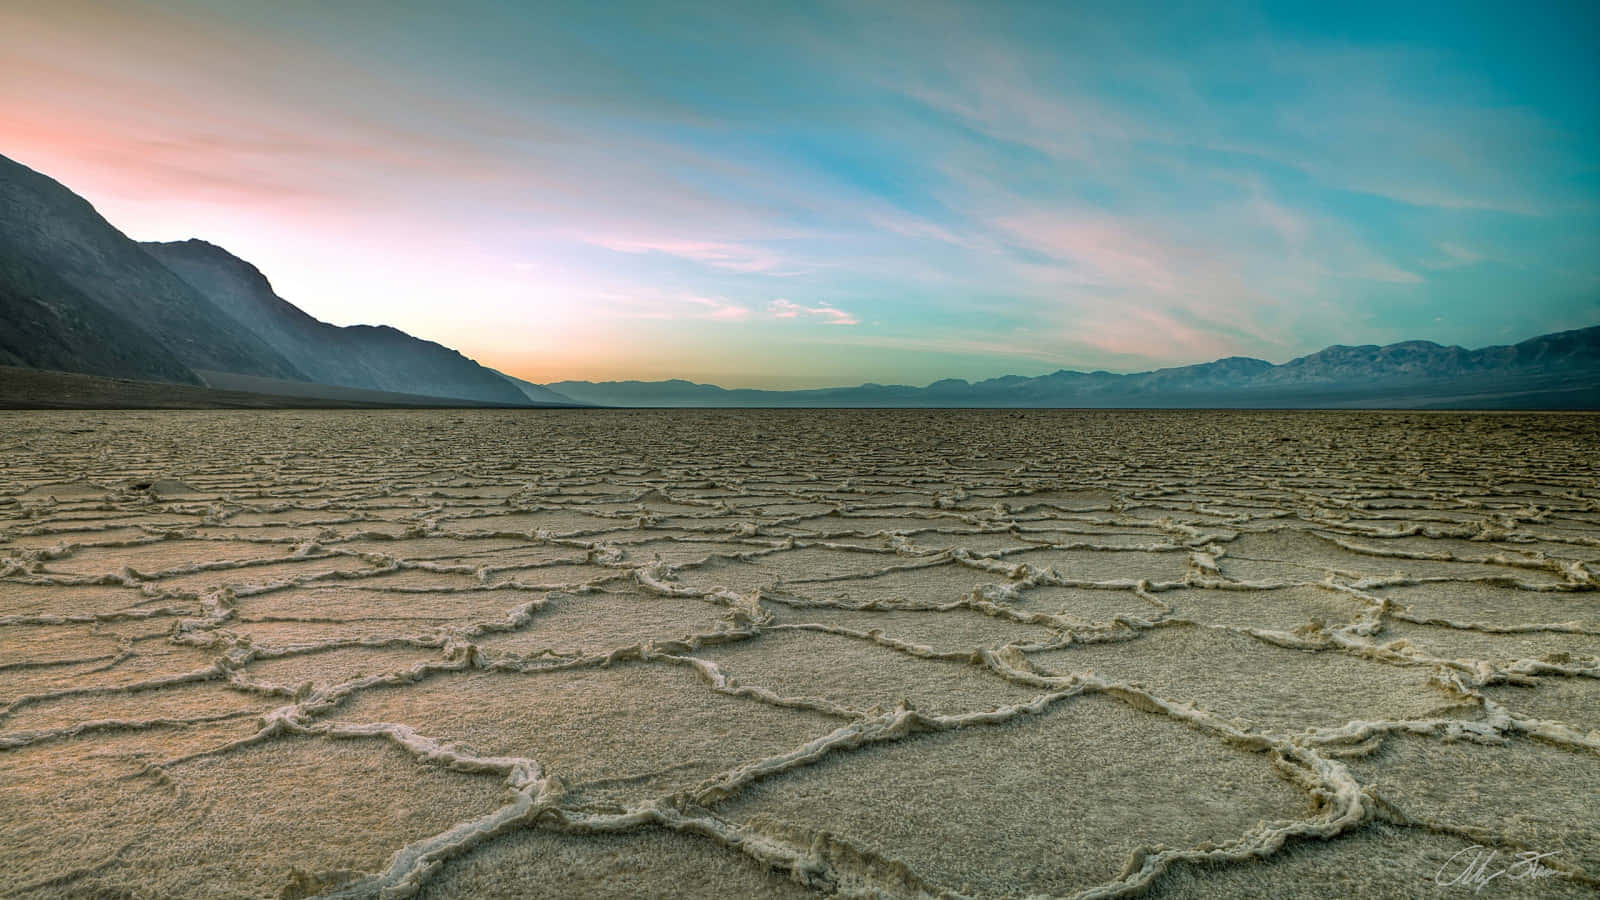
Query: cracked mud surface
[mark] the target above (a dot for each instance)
(757, 653)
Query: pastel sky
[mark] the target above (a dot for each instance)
(789, 195)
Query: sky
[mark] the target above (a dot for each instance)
(790, 195)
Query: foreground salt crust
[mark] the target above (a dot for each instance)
(735, 653)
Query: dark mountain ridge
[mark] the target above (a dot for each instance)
(77, 295)
(377, 357)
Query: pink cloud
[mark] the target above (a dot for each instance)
(735, 257)
(1152, 335)
(721, 310)
(784, 309)
(1102, 250)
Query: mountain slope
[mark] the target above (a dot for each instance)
(361, 356)
(49, 324)
(537, 393)
(1557, 370)
(91, 300)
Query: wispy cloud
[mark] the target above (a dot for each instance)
(1377, 270)
(1454, 256)
(721, 310)
(784, 309)
(731, 256)
(1098, 250)
(1148, 335)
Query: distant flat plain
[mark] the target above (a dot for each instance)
(556, 653)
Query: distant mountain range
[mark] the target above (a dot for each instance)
(1557, 371)
(77, 295)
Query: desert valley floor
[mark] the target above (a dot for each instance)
(747, 653)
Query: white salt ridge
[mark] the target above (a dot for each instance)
(547, 508)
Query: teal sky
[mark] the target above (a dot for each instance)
(787, 195)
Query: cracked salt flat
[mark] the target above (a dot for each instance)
(747, 653)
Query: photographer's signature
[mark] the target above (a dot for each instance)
(1473, 868)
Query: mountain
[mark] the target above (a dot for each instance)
(376, 357)
(675, 392)
(77, 294)
(1560, 370)
(538, 393)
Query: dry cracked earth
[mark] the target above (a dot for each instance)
(764, 653)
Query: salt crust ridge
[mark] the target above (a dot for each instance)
(111, 480)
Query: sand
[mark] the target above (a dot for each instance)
(786, 653)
